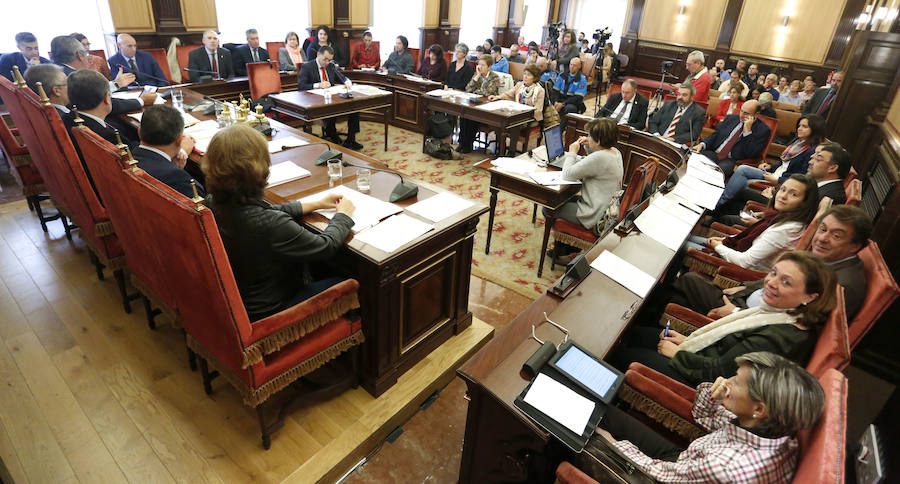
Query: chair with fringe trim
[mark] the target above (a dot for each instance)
(822, 448)
(669, 402)
(575, 235)
(258, 359)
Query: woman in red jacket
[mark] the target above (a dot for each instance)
(732, 105)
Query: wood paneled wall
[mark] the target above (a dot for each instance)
(132, 15)
(893, 116)
(807, 37)
(198, 14)
(320, 12)
(699, 26)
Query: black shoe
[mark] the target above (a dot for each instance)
(352, 144)
(333, 138)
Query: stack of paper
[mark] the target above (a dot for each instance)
(285, 172)
(701, 168)
(560, 403)
(334, 90)
(515, 165)
(623, 272)
(551, 177)
(504, 104)
(440, 206)
(285, 143)
(368, 90)
(663, 227)
(369, 210)
(203, 133)
(188, 119)
(698, 192)
(394, 232)
(439, 93)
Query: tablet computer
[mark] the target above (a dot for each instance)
(590, 373)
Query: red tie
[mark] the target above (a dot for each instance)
(324, 74)
(825, 102)
(670, 132)
(215, 63)
(723, 153)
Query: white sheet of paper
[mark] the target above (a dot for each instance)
(515, 165)
(701, 159)
(285, 172)
(551, 177)
(701, 193)
(279, 144)
(623, 272)
(505, 104)
(369, 210)
(684, 202)
(440, 206)
(705, 173)
(674, 209)
(333, 90)
(131, 94)
(394, 232)
(439, 93)
(368, 90)
(560, 403)
(662, 227)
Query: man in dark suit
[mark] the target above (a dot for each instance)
(250, 52)
(142, 64)
(322, 74)
(843, 231)
(28, 55)
(680, 120)
(70, 55)
(164, 148)
(210, 60)
(821, 101)
(626, 107)
(53, 81)
(830, 165)
(737, 137)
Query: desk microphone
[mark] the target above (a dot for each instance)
(138, 75)
(210, 75)
(403, 190)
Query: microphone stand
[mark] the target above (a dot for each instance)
(403, 190)
(138, 75)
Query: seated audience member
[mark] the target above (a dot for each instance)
(714, 81)
(210, 60)
(514, 54)
(568, 49)
(486, 83)
(400, 61)
(720, 65)
(487, 46)
(479, 51)
(681, 119)
(53, 81)
(752, 419)
(794, 159)
(821, 101)
(783, 86)
(600, 172)
(627, 106)
(756, 247)
(29, 55)
(698, 76)
(520, 43)
(460, 72)
(809, 88)
(88, 91)
(322, 74)
(761, 80)
(323, 38)
(752, 77)
(528, 91)
(548, 74)
(71, 55)
(291, 54)
(608, 55)
(792, 95)
(770, 85)
(533, 54)
(585, 48)
(734, 80)
(842, 232)
(765, 105)
(269, 250)
(164, 148)
(569, 91)
(500, 63)
(96, 63)
(366, 55)
(737, 137)
(798, 295)
(731, 105)
(142, 64)
(433, 66)
(755, 92)
(251, 52)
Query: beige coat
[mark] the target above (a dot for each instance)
(536, 98)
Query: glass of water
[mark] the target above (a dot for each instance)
(178, 99)
(220, 116)
(334, 172)
(363, 180)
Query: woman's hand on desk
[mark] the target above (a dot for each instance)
(330, 201)
(493, 98)
(346, 207)
(667, 348)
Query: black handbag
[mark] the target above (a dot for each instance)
(605, 463)
(436, 148)
(440, 125)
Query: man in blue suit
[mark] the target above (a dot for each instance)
(250, 52)
(28, 55)
(164, 148)
(142, 64)
(737, 137)
(322, 74)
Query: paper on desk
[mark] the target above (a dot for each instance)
(623, 272)
(368, 90)
(684, 202)
(333, 90)
(439, 93)
(704, 172)
(394, 232)
(505, 104)
(551, 177)
(285, 172)
(697, 158)
(130, 94)
(440, 206)
(675, 209)
(560, 403)
(188, 119)
(667, 140)
(698, 192)
(515, 165)
(662, 227)
(285, 143)
(369, 210)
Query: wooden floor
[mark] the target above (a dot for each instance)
(90, 394)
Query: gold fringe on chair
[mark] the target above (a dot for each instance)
(32, 190)
(254, 353)
(570, 240)
(700, 266)
(679, 325)
(725, 282)
(659, 413)
(21, 160)
(102, 229)
(170, 313)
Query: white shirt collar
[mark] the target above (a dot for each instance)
(95, 118)
(209, 52)
(823, 183)
(61, 108)
(156, 150)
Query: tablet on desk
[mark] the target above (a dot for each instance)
(590, 373)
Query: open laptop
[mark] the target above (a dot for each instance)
(553, 140)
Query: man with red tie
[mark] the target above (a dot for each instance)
(737, 137)
(680, 120)
(210, 60)
(821, 101)
(322, 74)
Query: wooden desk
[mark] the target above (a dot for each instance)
(503, 123)
(312, 107)
(551, 197)
(409, 110)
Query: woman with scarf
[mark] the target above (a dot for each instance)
(291, 55)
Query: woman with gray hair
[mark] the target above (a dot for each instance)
(751, 417)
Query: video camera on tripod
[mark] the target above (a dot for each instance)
(553, 31)
(602, 35)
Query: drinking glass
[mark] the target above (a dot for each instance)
(363, 180)
(334, 172)
(178, 99)
(219, 116)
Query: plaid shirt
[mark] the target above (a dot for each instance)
(363, 56)
(728, 453)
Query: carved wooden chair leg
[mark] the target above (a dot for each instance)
(67, 226)
(151, 313)
(30, 202)
(207, 376)
(192, 357)
(97, 264)
(119, 274)
(40, 214)
(534, 215)
(263, 428)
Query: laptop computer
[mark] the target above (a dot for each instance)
(553, 140)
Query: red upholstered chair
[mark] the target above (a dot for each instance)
(417, 56)
(355, 42)
(881, 291)
(822, 448)
(263, 78)
(182, 52)
(577, 236)
(258, 359)
(772, 123)
(159, 55)
(273, 48)
(19, 161)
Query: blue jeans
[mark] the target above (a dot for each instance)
(739, 180)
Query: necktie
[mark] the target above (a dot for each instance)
(670, 132)
(133, 66)
(618, 117)
(255, 55)
(324, 74)
(726, 149)
(215, 63)
(825, 102)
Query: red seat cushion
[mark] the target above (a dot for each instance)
(822, 448)
(574, 230)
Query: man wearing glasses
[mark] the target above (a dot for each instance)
(28, 55)
(71, 55)
(737, 137)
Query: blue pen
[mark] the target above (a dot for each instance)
(666, 331)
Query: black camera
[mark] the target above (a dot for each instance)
(602, 35)
(666, 65)
(553, 31)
